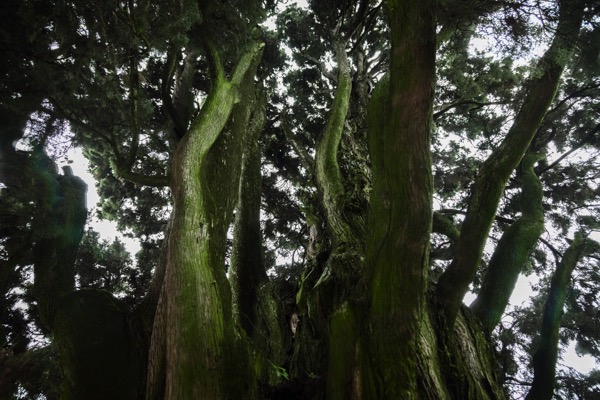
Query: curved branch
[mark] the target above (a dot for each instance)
(445, 226)
(495, 172)
(546, 355)
(327, 170)
(513, 250)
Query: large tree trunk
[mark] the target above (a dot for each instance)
(401, 207)
(204, 357)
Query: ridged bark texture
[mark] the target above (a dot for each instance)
(254, 306)
(329, 179)
(204, 358)
(247, 272)
(546, 354)
(400, 211)
(513, 250)
(495, 172)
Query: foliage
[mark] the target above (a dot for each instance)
(126, 81)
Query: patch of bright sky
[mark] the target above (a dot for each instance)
(107, 229)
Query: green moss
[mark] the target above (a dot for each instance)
(328, 176)
(512, 252)
(400, 212)
(205, 358)
(495, 172)
(343, 376)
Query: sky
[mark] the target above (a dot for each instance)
(108, 230)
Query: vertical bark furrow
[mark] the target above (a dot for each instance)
(200, 340)
(400, 211)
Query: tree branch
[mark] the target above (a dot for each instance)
(305, 158)
(321, 66)
(579, 145)
(495, 172)
(170, 107)
(134, 83)
(546, 355)
(458, 103)
(145, 180)
(513, 249)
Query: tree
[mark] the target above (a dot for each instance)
(335, 145)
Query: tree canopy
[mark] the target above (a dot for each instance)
(315, 187)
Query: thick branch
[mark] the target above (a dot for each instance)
(494, 174)
(512, 252)
(445, 226)
(545, 357)
(327, 170)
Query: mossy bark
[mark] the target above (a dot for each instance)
(344, 354)
(247, 273)
(497, 169)
(546, 354)
(255, 309)
(327, 170)
(333, 274)
(513, 250)
(204, 356)
(400, 212)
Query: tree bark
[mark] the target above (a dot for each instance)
(327, 170)
(400, 212)
(204, 357)
(546, 354)
(495, 172)
(513, 250)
